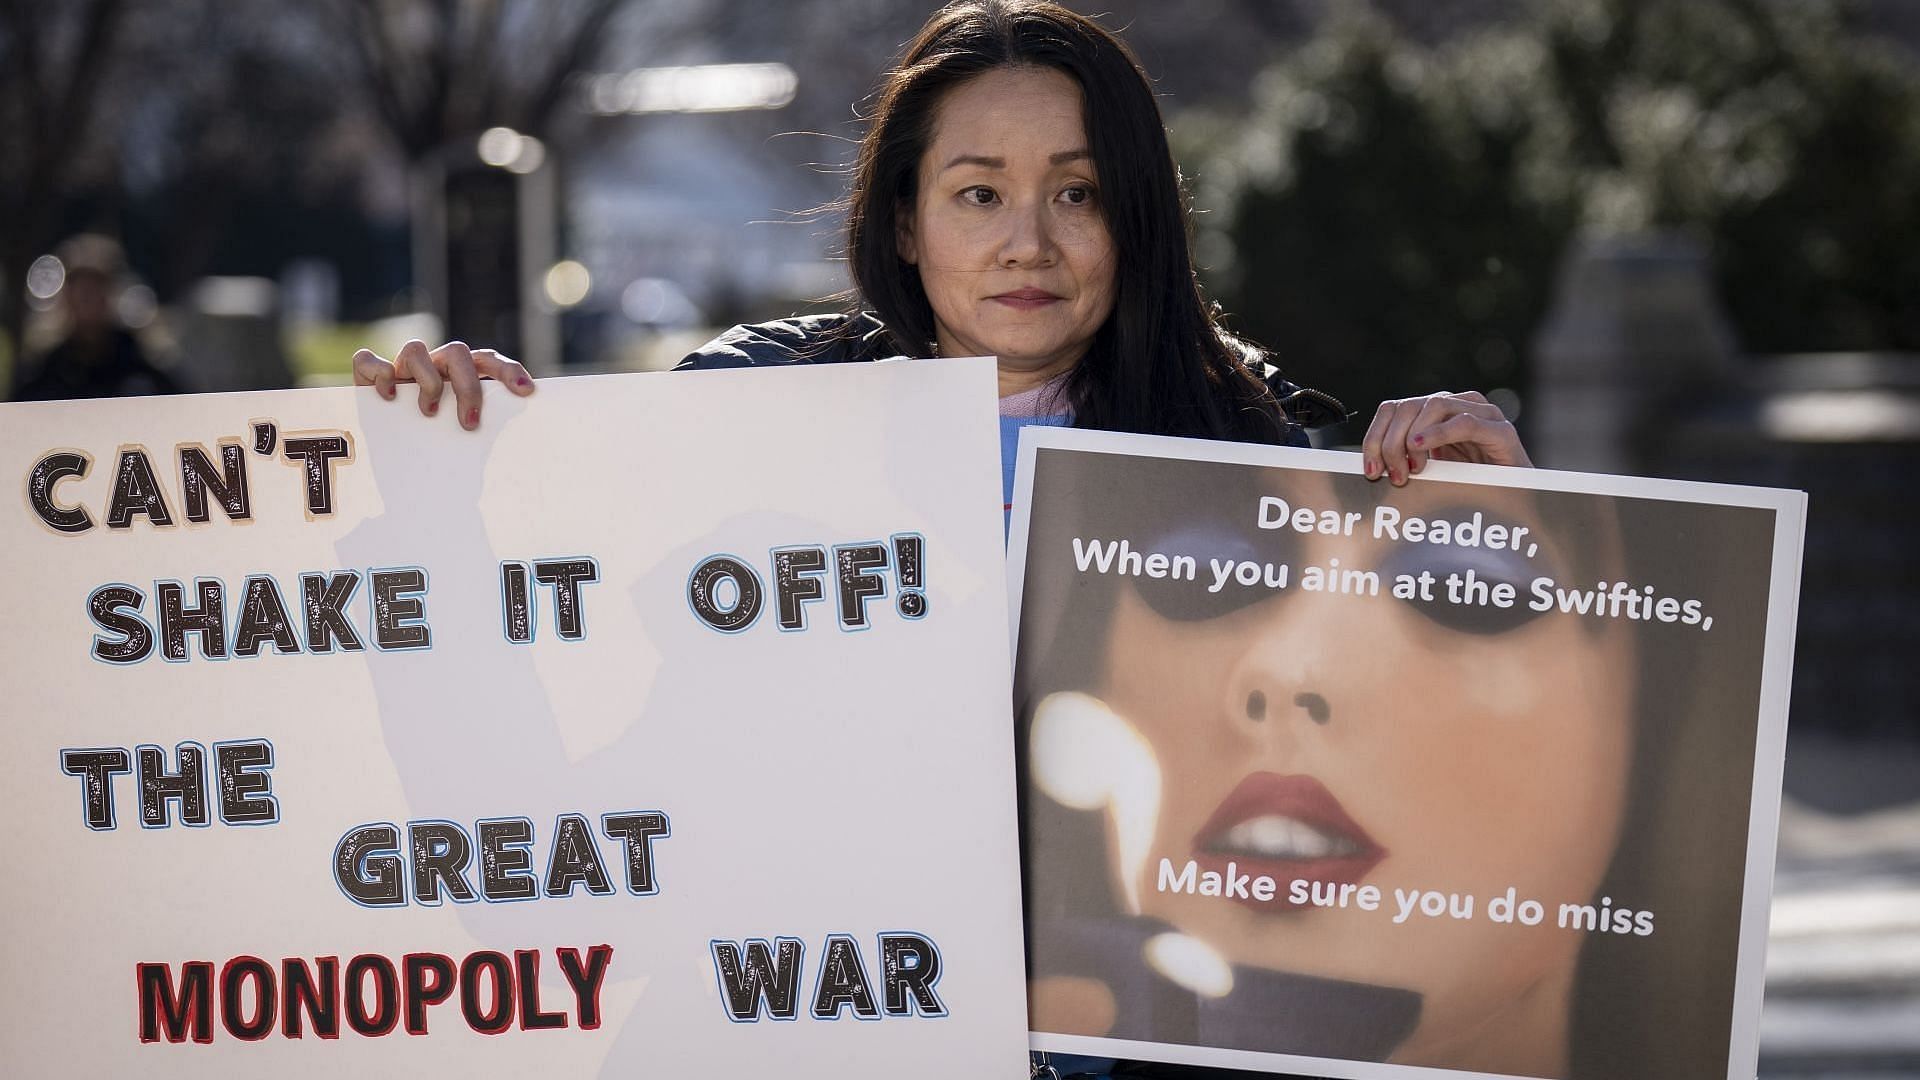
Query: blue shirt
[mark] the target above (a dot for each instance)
(1010, 449)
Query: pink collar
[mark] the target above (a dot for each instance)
(1047, 399)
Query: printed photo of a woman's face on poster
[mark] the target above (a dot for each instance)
(1457, 775)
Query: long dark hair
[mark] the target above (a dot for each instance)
(1161, 364)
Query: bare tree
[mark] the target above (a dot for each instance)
(440, 69)
(52, 61)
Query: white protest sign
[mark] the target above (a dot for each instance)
(658, 727)
(1477, 776)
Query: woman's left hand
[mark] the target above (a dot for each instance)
(433, 370)
(1450, 427)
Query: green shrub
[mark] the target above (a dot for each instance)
(1390, 216)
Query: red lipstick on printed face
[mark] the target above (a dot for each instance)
(1027, 299)
(1286, 827)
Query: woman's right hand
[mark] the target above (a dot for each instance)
(1445, 426)
(433, 369)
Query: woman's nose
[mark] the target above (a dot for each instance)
(1286, 681)
(1312, 703)
(1029, 238)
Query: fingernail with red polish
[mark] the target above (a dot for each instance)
(473, 418)
(522, 381)
(432, 407)
(1419, 440)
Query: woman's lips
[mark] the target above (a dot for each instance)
(1287, 828)
(1026, 299)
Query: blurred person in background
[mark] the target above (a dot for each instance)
(97, 355)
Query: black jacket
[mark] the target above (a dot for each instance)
(845, 339)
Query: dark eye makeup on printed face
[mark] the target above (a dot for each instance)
(1178, 598)
(1491, 568)
(1203, 522)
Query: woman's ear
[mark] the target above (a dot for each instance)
(903, 239)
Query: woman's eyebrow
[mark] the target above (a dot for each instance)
(1060, 158)
(975, 159)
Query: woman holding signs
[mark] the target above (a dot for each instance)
(1014, 195)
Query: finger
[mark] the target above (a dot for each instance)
(1460, 434)
(492, 365)
(1393, 441)
(1442, 408)
(1433, 410)
(455, 361)
(1370, 461)
(372, 369)
(1473, 436)
(416, 363)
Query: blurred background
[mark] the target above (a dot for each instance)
(1668, 237)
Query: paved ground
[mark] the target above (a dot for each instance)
(1843, 959)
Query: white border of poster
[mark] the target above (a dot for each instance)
(1789, 509)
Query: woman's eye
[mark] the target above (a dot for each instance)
(1463, 583)
(1077, 195)
(1186, 590)
(979, 195)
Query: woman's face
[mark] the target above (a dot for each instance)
(1396, 743)
(1006, 228)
